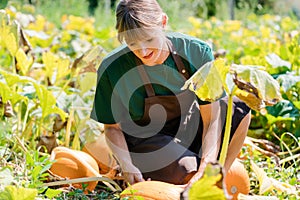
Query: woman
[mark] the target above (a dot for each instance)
(155, 130)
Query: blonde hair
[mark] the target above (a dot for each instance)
(135, 19)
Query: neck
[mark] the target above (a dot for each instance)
(165, 52)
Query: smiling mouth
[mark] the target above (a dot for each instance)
(148, 56)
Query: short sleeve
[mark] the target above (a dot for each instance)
(105, 100)
(199, 53)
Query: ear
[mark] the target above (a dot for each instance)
(164, 20)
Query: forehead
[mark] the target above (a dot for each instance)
(141, 34)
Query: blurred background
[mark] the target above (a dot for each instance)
(178, 11)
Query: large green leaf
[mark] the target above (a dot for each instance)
(208, 82)
(284, 109)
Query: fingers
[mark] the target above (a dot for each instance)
(132, 178)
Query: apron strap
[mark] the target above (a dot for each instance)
(178, 62)
(146, 80)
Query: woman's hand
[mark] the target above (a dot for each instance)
(197, 175)
(132, 174)
(116, 141)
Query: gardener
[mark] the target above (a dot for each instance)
(155, 130)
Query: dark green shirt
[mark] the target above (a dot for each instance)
(120, 92)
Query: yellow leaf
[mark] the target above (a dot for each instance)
(87, 81)
(11, 44)
(23, 62)
(63, 68)
(50, 62)
(208, 81)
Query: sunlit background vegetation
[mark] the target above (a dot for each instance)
(46, 90)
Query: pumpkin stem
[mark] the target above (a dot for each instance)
(227, 129)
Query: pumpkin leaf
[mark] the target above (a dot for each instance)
(253, 80)
(209, 81)
(13, 193)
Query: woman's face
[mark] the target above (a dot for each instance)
(151, 50)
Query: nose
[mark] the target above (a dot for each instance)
(143, 50)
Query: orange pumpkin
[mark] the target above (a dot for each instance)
(153, 190)
(100, 151)
(74, 164)
(237, 180)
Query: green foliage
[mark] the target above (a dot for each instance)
(37, 167)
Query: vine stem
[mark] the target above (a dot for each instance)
(86, 179)
(227, 129)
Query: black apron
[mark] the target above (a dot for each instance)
(165, 144)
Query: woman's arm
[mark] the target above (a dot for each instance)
(211, 137)
(212, 131)
(116, 141)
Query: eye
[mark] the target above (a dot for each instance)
(150, 40)
(131, 44)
